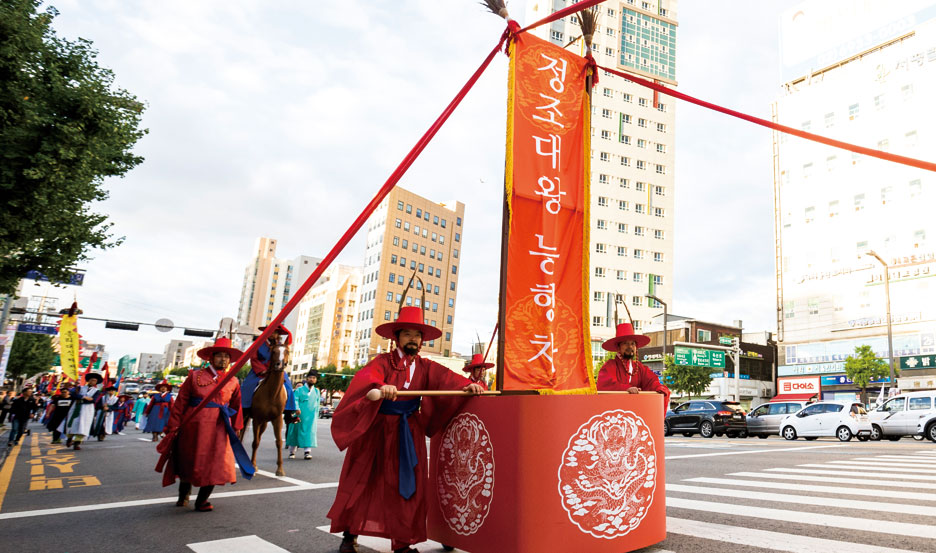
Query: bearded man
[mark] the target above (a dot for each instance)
(623, 372)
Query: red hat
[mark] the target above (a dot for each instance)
(409, 317)
(477, 361)
(279, 330)
(221, 345)
(625, 331)
(164, 383)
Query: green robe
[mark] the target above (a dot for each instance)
(302, 434)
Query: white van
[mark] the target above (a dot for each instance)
(909, 414)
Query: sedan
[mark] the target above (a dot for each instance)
(828, 418)
(707, 418)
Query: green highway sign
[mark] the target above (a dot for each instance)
(696, 357)
(724, 340)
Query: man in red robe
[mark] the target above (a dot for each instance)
(623, 372)
(381, 487)
(206, 445)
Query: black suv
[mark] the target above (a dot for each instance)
(708, 418)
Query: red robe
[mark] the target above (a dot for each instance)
(368, 500)
(202, 451)
(614, 375)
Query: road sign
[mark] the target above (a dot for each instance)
(37, 329)
(725, 340)
(697, 357)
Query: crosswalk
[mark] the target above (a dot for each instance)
(878, 503)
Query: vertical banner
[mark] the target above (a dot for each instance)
(6, 341)
(68, 346)
(546, 337)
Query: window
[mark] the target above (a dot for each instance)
(626, 118)
(638, 231)
(661, 148)
(606, 113)
(598, 296)
(599, 248)
(628, 98)
(624, 183)
(415, 247)
(412, 264)
(920, 403)
(623, 205)
(661, 107)
(622, 227)
(641, 143)
(639, 208)
(625, 161)
(422, 250)
(435, 221)
(602, 201)
(418, 213)
(602, 224)
(806, 125)
(606, 135)
(883, 144)
(409, 208)
(452, 286)
(392, 277)
(402, 262)
(659, 212)
(813, 305)
(887, 194)
(399, 223)
(556, 36)
(621, 275)
(451, 302)
(636, 300)
(661, 127)
(621, 251)
(703, 335)
(396, 240)
(830, 120)
(603, 179)
(810, 214)
(596, 321)
(658, 257)
(658, 280)
(604, 156)
(853, 112)
(859, 202)
(444, 222)
(641, 122)
(406, 226)
(393, 259)
(389, 296)
(399, 205)
(457, 237)
(659, 190)
(454, 269)
(895, 405)
(638, 253)
(599, 271)
(642, 102)
(625, 139)
(660, 169)
(608, 93)
(833, 208)
(640, 186)
(641, 164)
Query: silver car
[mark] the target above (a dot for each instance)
(765, 420)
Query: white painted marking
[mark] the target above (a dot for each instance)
(927, 452)
(890, 475)
(831, 480)
(805, 500)
(897, 461)
(905, 458)
(814, 488)
(775, 541)
(670, 457)
(834, 521)
(867, 465)
(145, 439)
(158, 500)
(293, 481)
(243, 544)
(383, 545)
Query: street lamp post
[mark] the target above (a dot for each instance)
(890, 334)
(658, 300)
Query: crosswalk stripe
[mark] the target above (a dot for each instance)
(896, 461)
(907, 458)
(901, 476)
(927, 452)
(861, 466)
(804, 500)
(832, 480)
(814, 488)
(765, 539)
(834, 521)
(243, 544)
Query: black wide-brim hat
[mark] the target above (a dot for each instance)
(94, 375)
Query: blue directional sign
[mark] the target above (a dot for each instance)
(37, 329)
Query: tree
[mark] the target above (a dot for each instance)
(686, 380)
(181, 371)
(64, 127)
(30, 354)
(864, 367)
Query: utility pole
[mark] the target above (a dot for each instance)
(658, 300)
(890, 335)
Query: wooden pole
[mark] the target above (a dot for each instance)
(502, 298)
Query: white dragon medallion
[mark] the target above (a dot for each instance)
(465, 474)
(608, 474)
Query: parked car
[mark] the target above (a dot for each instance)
(842, 419)
(707, 418)
(147, 388)
(765, 419)
(909, 414)
(131, 388)
(326, 411)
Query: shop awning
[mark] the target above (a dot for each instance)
(794, 397)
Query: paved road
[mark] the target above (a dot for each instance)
(722, 495)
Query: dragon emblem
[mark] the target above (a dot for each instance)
(608, 474)
(465, 474)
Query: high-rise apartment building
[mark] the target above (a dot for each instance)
(268, 284)
(409, 236)
(633, 156)
(865, 73)
(326, 322)
(174, 354)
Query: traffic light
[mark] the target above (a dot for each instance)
(121, 326)
(735, 341)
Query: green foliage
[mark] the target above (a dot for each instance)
(242, 373)
(30, 354)
(181, 371)
(338, 380)
(64, 127)
(684, 380)
(864, 367)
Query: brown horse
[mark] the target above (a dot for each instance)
(269, 400)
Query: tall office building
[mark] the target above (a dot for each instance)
(410, 235)
(174, 354)
(326, 322)
(862, 72)
(633, 156)
(268, 284)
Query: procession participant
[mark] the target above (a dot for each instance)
(6, 400)
(381, 487)
(104, 417)
(78, 422)
(157, 412)
(302, 433)
(206, 446)
(60, 404)
(139, 406)
(257, 372)
(623, 372)
(21, 410)
(476, 367)
(122, 412)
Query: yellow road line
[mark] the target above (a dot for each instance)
(7, 472)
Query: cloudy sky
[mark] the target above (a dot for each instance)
(281, 120)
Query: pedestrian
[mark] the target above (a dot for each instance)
(60, 404)
(623, 372)
(157, 412)
(104, 416)
(205, 446)
(122, 412)
(139, 406)
(381, 488)
(302, 433)
(21, 410)
(6, 401)
(78, 423)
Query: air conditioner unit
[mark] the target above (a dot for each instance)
(765, 393)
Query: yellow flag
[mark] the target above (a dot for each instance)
(68, 346)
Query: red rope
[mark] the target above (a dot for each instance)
(574, 8)
(165, 446)
(929, 166)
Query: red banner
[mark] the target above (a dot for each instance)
(546, 333)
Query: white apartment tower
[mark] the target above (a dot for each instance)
(326, 321)
(865, 73)
(633, 156)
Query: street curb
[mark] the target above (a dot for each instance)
(4, 450)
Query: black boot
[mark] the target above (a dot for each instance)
(201, 502)
(348, 543)
(185, 489)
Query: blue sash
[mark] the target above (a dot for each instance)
(240, 454)
(407, 448)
